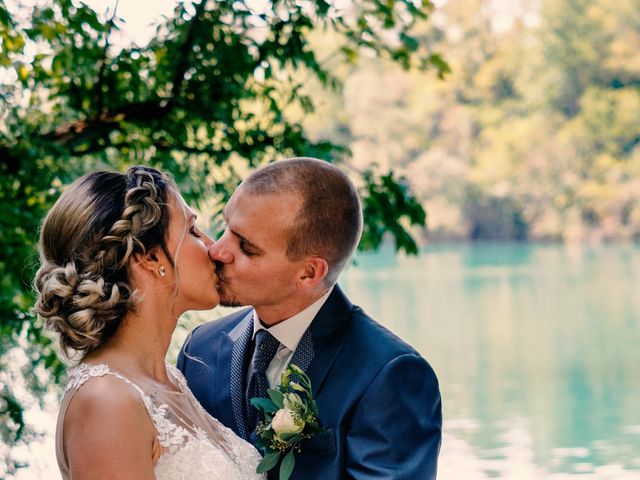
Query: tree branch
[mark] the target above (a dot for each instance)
(82, 130)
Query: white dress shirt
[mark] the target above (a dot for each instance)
(288, 332)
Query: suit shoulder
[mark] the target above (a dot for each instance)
(373, 336)
(372, 347)
(212, 329)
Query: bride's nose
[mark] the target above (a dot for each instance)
(208, 241)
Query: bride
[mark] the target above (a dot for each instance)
(121, 260)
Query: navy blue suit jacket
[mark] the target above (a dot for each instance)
(377, 397)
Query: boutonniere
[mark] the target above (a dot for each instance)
(289, 415)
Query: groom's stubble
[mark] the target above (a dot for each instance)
(226, 299)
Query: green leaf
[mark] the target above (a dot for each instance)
(264, 404)
(296, 369)
(268, 462)
(291, 438)
(277, 397)
(410, 42)
(313, 406)
(286, 468)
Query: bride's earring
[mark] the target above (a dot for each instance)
(161, 271)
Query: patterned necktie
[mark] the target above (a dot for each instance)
(266, 346)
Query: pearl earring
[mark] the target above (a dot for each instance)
(161, 271)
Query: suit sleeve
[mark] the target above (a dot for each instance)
(397, 427)
(180, 360)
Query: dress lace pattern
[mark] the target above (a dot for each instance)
(194, 444)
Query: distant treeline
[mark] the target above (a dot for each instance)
(535, 135)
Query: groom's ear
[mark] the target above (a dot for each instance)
(314, 271)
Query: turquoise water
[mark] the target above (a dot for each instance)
(537, 349)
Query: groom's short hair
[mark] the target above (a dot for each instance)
(329, 222)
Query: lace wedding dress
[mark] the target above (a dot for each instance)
(193, 445)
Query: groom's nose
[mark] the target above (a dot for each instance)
(219, 251)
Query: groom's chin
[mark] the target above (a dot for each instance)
(230, 302)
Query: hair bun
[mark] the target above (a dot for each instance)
(78, 307)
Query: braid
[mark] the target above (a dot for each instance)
(141, 212)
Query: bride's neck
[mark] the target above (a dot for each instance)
(139, 345)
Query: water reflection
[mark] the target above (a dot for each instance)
(536, 348)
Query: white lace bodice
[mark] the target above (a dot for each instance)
(194, 445)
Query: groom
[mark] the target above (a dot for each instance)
(290, 229)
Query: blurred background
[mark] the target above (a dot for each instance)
(496, 145)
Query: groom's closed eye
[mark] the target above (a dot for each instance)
(246, 249)
(246, 246)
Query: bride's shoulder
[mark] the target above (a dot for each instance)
(105, 419)
(106, 396)
(106, 413)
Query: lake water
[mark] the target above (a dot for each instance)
(537, 349)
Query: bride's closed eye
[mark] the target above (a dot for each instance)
(195, 231)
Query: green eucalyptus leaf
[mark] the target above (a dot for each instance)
(264, 404)
(276, 397)
(286, 467)
(268, 462)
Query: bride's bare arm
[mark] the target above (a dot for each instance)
(108, 433)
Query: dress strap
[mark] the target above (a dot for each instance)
(83, 372)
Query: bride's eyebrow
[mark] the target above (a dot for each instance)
(190, 217)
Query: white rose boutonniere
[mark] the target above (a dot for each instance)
(285, 422)
(289, 415)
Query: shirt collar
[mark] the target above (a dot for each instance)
(289, 332)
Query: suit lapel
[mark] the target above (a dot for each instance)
(221, 378)
(305, 352)
(322, 342)
(234, 358)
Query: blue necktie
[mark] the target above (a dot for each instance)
(266, 346)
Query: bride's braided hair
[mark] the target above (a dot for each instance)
(86, 242)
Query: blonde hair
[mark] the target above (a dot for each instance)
(86, 242)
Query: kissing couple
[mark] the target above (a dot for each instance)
(323, 390)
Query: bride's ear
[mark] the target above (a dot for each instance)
(150, 263)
